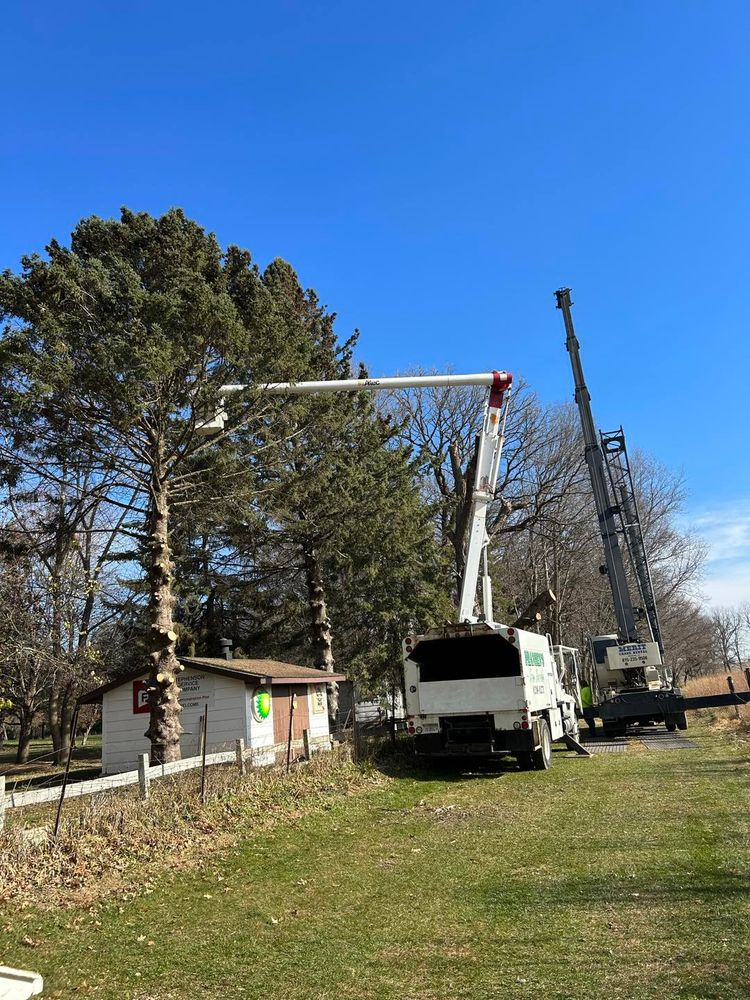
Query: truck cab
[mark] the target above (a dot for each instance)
(635, 687)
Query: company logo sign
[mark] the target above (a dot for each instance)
(140, 697)
(261, 704)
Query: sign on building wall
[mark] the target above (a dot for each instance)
(318, 699)
(140, 697)
(261, 704)
(196, 690)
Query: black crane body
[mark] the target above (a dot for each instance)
(640, 689)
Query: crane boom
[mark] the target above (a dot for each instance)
(490, 447)
(605, 510)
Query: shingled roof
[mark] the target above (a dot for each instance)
(276, 671)
(260, 671)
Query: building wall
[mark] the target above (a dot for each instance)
(260, 731)
(123, 729)
(317, 697)
(230, 717)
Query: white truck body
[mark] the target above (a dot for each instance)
(484, 690)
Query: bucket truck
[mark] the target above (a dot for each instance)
(475, 688)
(633, 683)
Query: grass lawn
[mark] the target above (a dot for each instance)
(41, 771)
(620, 877)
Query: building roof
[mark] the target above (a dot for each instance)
(260, 671)
(275, 671)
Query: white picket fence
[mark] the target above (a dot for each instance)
(145, 774)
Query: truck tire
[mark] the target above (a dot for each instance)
(542, 758)
(681, 720)
(670, 722)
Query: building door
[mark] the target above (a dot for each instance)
(282, 701)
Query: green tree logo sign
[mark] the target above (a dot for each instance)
(261, 704)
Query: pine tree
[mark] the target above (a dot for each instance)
(125, 337)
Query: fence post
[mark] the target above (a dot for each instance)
(747, 677)
(355, 742)
(73, 728)
(240, 746)
(201, 737)
(292, 706)
(144, 778)
(730, 685)
(2, 802)
(306, 743)
(203, 755)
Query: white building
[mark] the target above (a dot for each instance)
(244, 699)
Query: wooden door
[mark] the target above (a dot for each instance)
(282, 698)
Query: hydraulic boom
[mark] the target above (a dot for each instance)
(626, 624)
(490, 446)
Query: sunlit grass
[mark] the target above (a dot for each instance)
(621, 877)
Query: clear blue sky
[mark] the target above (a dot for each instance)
(435, 170)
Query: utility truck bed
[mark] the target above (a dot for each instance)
(485, 691)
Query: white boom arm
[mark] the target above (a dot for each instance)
(374, 384)
(491, 441)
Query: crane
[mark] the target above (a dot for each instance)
(634, 685)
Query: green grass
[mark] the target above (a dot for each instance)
(622, 877)
(41, 771)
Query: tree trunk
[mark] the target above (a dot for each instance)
(60, 708)
(53, 718)
(164, 729)
(320, 624)
(66, 724)
(25, 720)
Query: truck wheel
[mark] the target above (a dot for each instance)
(670, 722)
(681, 720)
(542, 757)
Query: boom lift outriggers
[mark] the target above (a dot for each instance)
(474, 688)
(634, 684)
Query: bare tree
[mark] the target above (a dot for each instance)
(26, 666)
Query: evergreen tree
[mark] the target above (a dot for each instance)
(124, 338)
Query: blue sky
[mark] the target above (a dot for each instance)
(435, 170)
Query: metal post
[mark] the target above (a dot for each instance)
(203, 755)
(201, 737)
(292, 706)
(393, 715)
(240, 749)
(144, 779)
(73, 728)
(2, 802)
(730, 685)
(355, 744)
